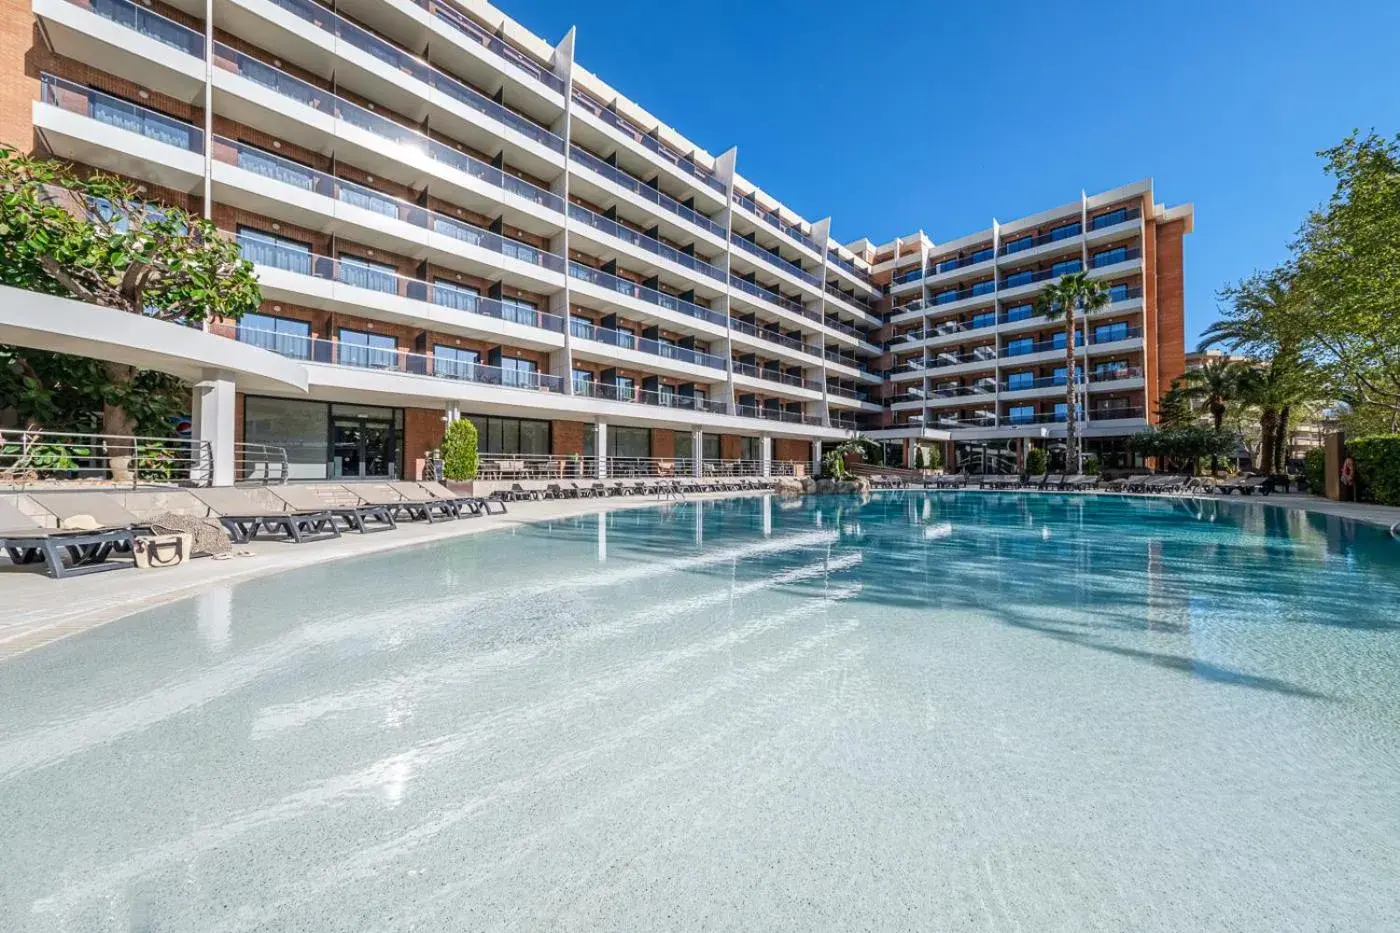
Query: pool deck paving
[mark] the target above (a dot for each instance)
(36, 610)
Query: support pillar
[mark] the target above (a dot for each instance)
(697, 453)
(816, 457)
(765, 455)
(452, 411)
(212, 416)
(600, 448)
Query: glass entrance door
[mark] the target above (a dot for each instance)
(362, 447)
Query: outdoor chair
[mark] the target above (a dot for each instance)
(416, 507)
(244, 518)
(473, 504)
(362, 518)
(27, 542)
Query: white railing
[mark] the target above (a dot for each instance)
(259, 463)
(28, 457)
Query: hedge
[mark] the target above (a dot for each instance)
(1035, 462)
(1315, 469)
(459, 459)
(1377, 460)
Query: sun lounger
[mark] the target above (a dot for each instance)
(27, 542)
(1079, 482)
(103, 508)
(244, 518)
(418, 507)
(1246, 485)
(996, 481)
(362, 518)
(474, 504)
(1128, 483)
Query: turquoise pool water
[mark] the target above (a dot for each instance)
(953, 711)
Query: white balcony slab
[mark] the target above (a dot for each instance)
(83, 36)
(93, 142)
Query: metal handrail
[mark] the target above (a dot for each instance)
(260, 463)
(35, 456)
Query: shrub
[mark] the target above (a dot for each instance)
(1315, 469)
(933, 457)
(459, 459)
(1377, 468)
(1090, 466)
(1035, 461)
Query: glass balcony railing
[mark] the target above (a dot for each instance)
(388, 359)
(1114, 256)
(772, 336)
(382, 127)
(1019, 419)
(269, 253)
(1114, 218)
(913, 275)
(631, 289)
(650, 244)
(628, 341)
(643, 190)
(961, 294)
(1031, 277)
(842, 262)
(1124, 293)
(649, 142)
(149, 24)
(979, 355)
(961, 262)
(777, 414)
(300, 176)
(835, 292)
(477, 33)
(611, 392)
(776, 222)
(773, 374)
(84, 101)
(1021, 244)
(1113, 333)
(351, 34)
(758, 291)
(1027, 346)
(774, 260)
(844, 392)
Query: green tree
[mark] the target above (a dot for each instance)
(459, 450)
(1036, 460)
(1214, 384)
(1347, 255)
(1073, 295)
(94, 238)
(1186, 444)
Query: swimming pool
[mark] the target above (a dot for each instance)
(928, 711)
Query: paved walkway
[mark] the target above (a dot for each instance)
(36, 610)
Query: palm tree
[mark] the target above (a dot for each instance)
(1216, 383)
(1073, 295)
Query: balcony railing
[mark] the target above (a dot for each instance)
(1017, 279)
(389, 359)
(844, 263)
(147, 23)
(844, 392)
(631, 289)
(774, 260)
(317, 15)
(835, 292)
(477, 33)
(1114, 218)
(980, 355)
(626, 340)
(777, 414)
(758, 291)
(913, 275)
(960, 262)
(324, 102)
(650, 244)
(744, 327)
(1114, 256)
(1021, 244)
(611, 392)
(443, 294)
(644, 190)
(74, 98)
(1058, 417)
(616, 120)
(958, 294)
(772, 374)
(776, 222)
(299, 176)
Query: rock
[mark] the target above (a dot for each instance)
(852, 486)
(789, 486)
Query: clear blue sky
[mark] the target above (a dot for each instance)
(940, 115)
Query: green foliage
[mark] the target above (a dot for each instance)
(1073, 294)
(1214, 385)
(1036, 460)
(459, 455)
(1090, 466)
(927, 458)
(67, 393)
(1377, 461)
(1314, 468)
(1184, 444)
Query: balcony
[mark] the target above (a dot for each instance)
(375, 216)
(777, 414)
(383, 359)
(1067, 234)
(773, 298)
(644, 191)
(1114, 257)
(407, 155)
(776, 222)
(611, 392)
(626, 340)
(1122, 215)
(510, 58)
(1058, 417)
(774, 337)
(616, 285)
(683, 165)
(845, 265)
(387, 86)
(128, 40)
(860, 304)
(772, 374)
(986, 355)
(434, 303)
(644, 242)
(775, 261)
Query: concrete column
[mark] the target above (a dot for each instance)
(452, 411)
(816, 457)
(765, 455)
(600, 448)
(697, 452)
(212, 412)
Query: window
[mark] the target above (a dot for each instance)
(1019, 346)
(1110, 369)
(454, 362)
(276, 168)
(1060, 409)
(1065, 231)
(1109, 257)
(1057, 342)
(685, 446)
(982, 255)
(268, 249)
(748, 448)
(518, 373)
(1059, 375)
(300, 427)
(1118, 293)
(1105, 333)
(1019, 313)
(1066, 267)
(279, 334)
(1021, 414)
(1015, 246)
(629, 443)
(984, 287)
(942, 298)
(1019, 278)
(363, 273)
(666, 395)
(511, 435)
(1109, 219)
(984, 319)
(373, 351)
(450, 295)
(626, 388)
(519, 311)
(1023, 380)
(583, 382)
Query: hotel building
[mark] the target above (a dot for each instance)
(451, 217)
